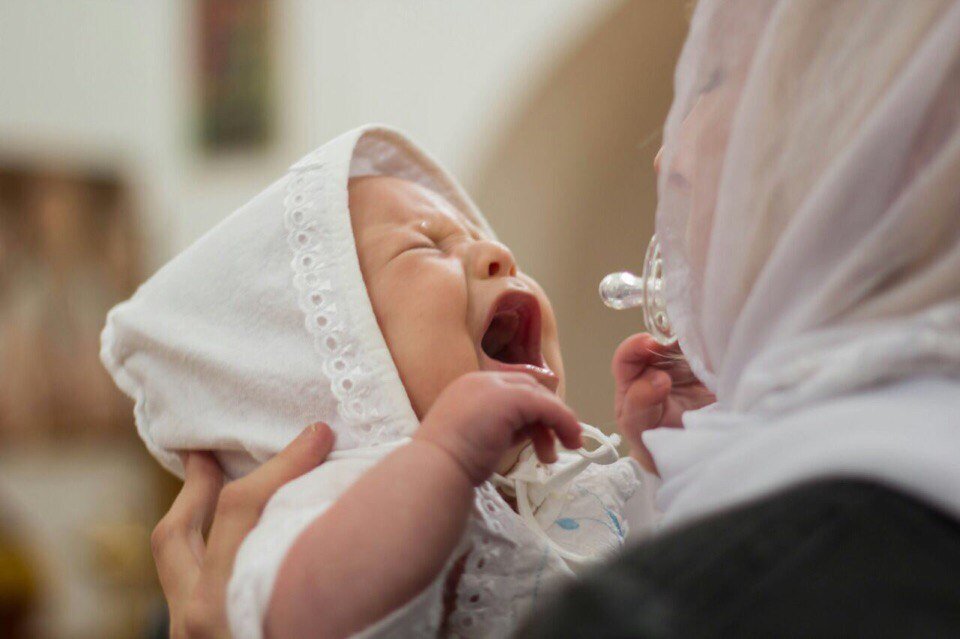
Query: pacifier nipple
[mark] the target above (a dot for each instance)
(626, 290)
(622, 290)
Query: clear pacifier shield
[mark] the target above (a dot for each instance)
(626, 290)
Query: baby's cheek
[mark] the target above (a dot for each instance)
(424, 322)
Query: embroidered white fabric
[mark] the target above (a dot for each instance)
(322, 277)
(509, 567)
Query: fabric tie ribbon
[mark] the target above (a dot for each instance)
(532, 482)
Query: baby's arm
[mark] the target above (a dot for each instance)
(390, 535)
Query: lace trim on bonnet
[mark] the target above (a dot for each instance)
(330, 289)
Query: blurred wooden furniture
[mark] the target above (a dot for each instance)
(78, 494)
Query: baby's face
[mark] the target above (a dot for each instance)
(449, 299)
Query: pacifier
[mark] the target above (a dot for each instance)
(626, 290)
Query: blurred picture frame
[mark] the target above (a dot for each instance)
(234, 75)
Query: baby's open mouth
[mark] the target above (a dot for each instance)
(512, 338)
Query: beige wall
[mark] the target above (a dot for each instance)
(540, 106)
(109, 82)
(570, 184)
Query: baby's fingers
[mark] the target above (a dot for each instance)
(543, 444)
(634, 355)
(642, 405)
(541, 408)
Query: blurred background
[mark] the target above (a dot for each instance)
(128, 128)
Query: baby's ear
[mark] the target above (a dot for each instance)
(354, 185)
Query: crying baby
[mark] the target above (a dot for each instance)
(364, 289)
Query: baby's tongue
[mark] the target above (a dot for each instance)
(500, 334)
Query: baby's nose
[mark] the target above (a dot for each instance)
(493, 259)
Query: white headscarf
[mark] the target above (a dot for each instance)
(809, 220)
(263, 326)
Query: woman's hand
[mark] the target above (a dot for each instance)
(655, 386)
(194, 573)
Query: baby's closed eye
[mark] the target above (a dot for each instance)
(422, 244)
(438, 240)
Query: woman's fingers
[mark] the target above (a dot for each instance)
(194, 576)
(303, 454)
(177, 540)
(242, 501)
(204, 479)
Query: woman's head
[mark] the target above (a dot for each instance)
(808, 181)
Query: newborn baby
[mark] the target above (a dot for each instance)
(365, 290)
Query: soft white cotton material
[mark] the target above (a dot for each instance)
(264, 326)
(809, 219)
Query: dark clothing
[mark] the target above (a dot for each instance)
(834, 558)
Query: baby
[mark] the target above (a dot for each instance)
(364, 289)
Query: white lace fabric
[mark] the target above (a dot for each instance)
(332, 296)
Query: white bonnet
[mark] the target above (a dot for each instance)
(264, 326)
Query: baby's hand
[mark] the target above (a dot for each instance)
(655, 386)
(482, 415)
